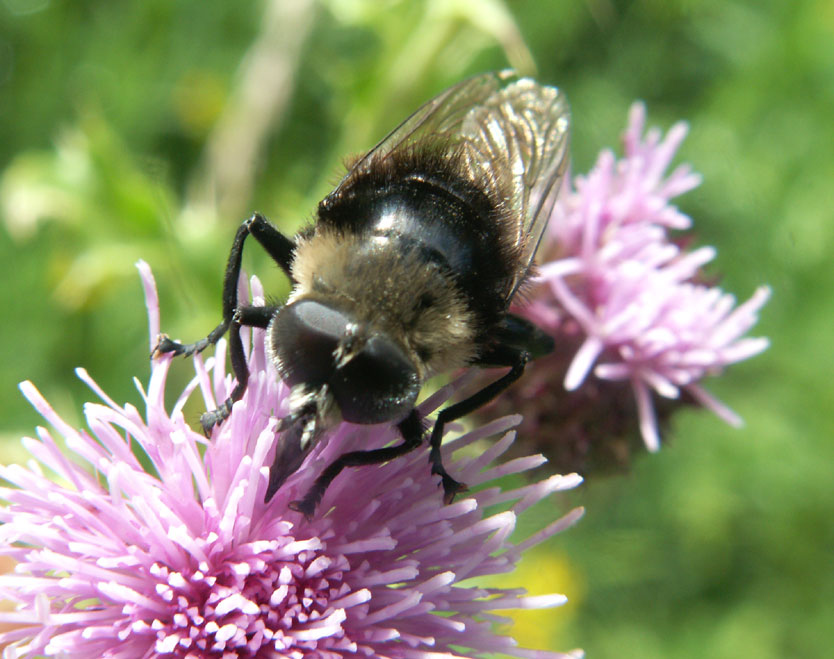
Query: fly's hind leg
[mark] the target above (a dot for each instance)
(514, 341)
(451, 487)
(411, 429)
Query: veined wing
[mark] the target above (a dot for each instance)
(513, 133)
(518, 140)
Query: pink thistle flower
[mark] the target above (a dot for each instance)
(185, 560)
(625, 300)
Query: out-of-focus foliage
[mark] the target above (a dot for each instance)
(112, 125)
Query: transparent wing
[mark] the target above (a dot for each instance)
(514, 137)
(442, 115)
(518, 141)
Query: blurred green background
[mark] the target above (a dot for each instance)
(150, 130)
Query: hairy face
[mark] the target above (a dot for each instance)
(390, 290)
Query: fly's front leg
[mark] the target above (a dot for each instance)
(248, 316)
(280, 248)
(230, 280)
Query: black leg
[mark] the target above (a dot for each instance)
(248, 316)
(230, 281)
(280, 248)
(412, 430)
(166, 345)
(450, 486)
(276, 244)
(252, 316)
(209, 419)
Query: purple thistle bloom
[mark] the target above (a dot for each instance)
(186, 560)
(625, 296)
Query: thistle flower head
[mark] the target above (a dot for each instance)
(626, 299)
(184, 559)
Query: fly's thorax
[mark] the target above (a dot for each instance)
(392, 290)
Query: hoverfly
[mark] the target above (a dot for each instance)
(409, 270)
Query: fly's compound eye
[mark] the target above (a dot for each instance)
(305, 334)
(374, 383)
(378, 384)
